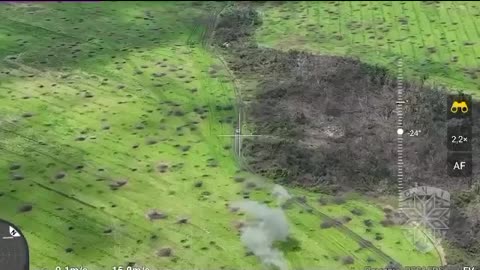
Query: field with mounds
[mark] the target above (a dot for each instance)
(111, 124)
(437, 40)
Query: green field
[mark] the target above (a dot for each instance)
(109, 110)
(439, 40)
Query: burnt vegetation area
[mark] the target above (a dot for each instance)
(330, 124)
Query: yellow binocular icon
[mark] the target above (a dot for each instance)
(462, 105)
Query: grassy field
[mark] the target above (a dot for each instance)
(110, 110)
(437, 41)
(332, 245)
(133, 109)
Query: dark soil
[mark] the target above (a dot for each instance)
(60, 175)
(155, 214)
(182, 220)
(17, 177)
(164, 252)
(331, 125)
(347, 260)
(25, 208)
(117, 184)
(15, 166)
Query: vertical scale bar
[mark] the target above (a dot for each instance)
(400, 131)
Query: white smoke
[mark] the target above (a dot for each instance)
(268, 225)
(281, 194)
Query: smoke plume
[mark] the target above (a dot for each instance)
(281, 194)
(267, 226)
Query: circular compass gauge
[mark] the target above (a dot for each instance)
(13, 248)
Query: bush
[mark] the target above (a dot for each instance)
(327, 224)
(235, 23)
(357, 212)
(338, 200)
(347, 260)
(368, 222)
(387, 222)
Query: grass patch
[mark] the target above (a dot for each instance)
(436, 40)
